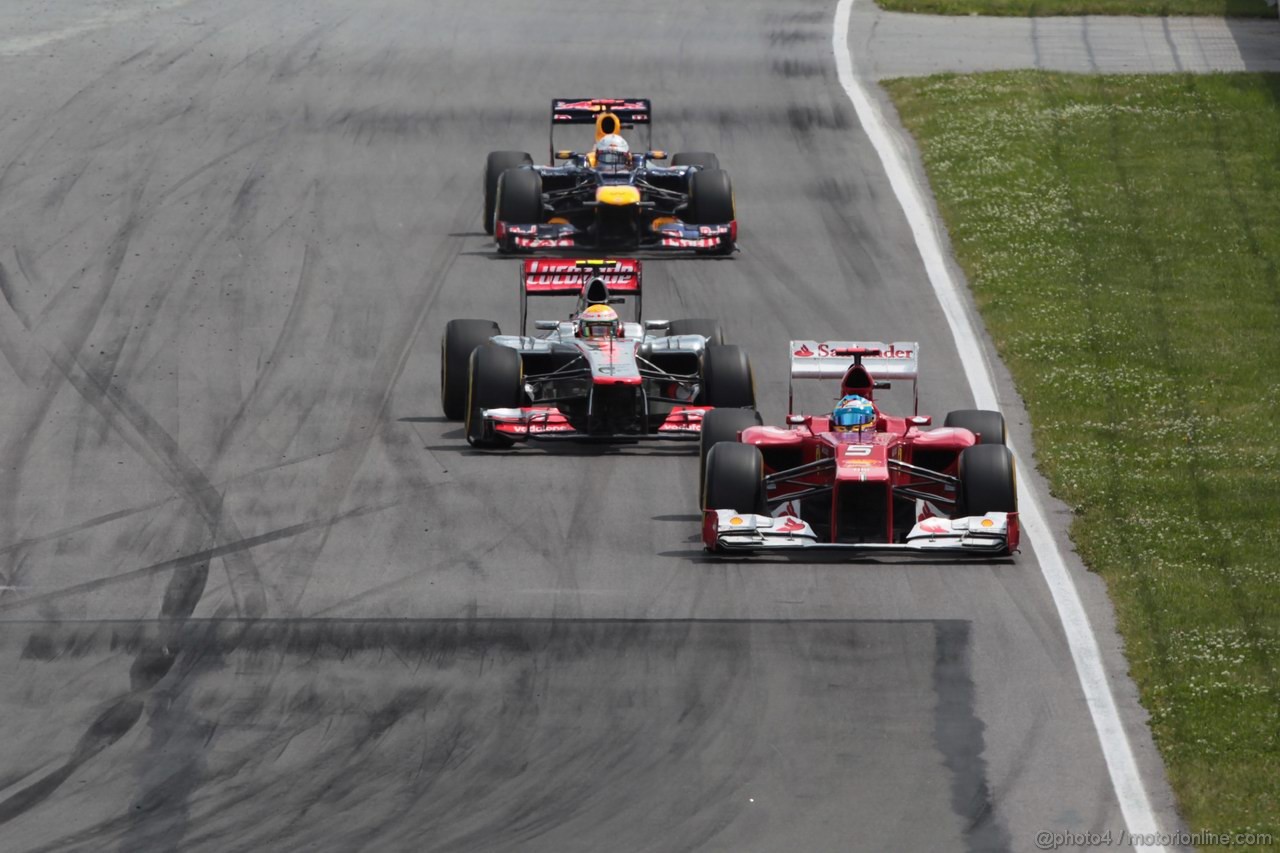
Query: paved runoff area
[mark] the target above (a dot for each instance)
(894, 44)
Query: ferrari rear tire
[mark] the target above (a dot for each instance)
(735, 478)
(718, 427)
(461, 337)
(988, 480)
(519, 197)
(497, 163)
(496, 381)
(709, 329)
(705, 159)
(710, 198)
(727, 381)
(988, 426)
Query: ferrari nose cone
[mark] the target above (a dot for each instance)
(618, 196)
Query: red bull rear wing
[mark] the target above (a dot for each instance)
(630, 111)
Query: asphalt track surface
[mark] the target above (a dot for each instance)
(258, 594)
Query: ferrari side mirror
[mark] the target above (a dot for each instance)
(920, 420)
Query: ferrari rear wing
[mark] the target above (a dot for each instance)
(566, 276)
(832, 360)
(629, 113)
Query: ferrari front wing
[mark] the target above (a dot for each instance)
(993, 534)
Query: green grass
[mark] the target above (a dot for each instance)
(1023, 8)
(1122, 239)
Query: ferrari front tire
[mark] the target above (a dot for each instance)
(735, 478)
(718, 427)
(988, 480)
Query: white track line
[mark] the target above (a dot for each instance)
(1134, 804)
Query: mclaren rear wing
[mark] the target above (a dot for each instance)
(832, 359)
(571, 277)
(629, 113)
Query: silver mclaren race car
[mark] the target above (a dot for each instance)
(592, 375)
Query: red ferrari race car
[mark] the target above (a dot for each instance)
(856, 479)
(590, 376)
(610, 196)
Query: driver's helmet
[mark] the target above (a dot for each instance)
(612, 153)
(853, 412)
(598, 321)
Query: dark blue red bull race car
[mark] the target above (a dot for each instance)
(609, 196)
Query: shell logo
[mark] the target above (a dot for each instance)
(986, 522)
(736, 520)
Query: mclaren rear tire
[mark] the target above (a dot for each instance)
(461, 337)
(497, 163)
(705, 159)
(720, 426)
(987, 426)
(988, 480)
(727, 381)
(709, 329)
(496, 381)
(735, 478)
(519, 197)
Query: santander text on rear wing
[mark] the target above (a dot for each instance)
(880, 363)
(575, 277)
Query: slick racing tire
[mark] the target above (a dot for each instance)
(497, 163)
(461, 337)
(720, 426)
(735, 478)
(519, 197)
(987, 426)
(988, 480)
(710, 198)
(705, 159)
(709, 329)
(496, 382)
(727, 381)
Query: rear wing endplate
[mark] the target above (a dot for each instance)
(832, 359)
(566, 276)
